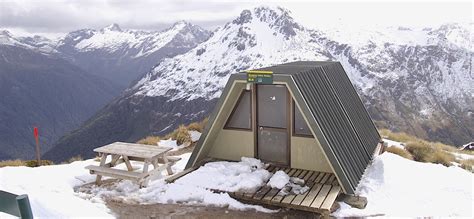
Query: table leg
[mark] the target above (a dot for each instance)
(145, 170)
(145, 166)
(168, 166)
(114, 160)
(102, 163)
(127, 162)
(155, 163)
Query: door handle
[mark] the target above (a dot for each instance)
(261, 128)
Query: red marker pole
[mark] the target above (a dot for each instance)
(38, 158)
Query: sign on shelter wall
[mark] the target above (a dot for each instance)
(260, 77)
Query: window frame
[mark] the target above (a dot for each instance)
(241, 96)
(293, 124)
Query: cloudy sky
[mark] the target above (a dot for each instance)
(56, 17)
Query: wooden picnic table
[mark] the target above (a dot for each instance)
(122, 152)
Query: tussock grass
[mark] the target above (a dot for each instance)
(204, 122)
(445, 147)
(181, 135)
(425, 151)
(34, 163)
(428, 152)
(195, 126)
(420, 150)
(443, 158)
(467, 164)
(12, 163)
(73, 159)
(400, 151)
(397, 136)
(27, 163)
(198, 126)
(150, 140)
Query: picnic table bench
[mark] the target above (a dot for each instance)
(122, 152)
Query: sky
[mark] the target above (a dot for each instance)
(57, 17)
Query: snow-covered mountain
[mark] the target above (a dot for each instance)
(137, 43)
(36, 43)
(124, 55)
(410, 80)
(120, 56)
(255, 39)
(414, 75)
(422, 86)
(73, 77)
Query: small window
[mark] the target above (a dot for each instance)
(241, 116)
(300, 127)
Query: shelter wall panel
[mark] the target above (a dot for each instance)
(221, 117)
(232, 145)
(306, 153)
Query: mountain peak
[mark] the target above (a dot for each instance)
(183, 26)
(276, 17)
(262, 11)
(7, 38)
(181, 23)
(5, 33)
(113, 27)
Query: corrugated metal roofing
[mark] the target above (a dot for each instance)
(339, 112)
(295, 67)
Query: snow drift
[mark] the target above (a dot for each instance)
(395, 186)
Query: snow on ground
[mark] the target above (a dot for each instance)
(279, 180)
(168, 143)
(287, 184)
(193, 188)
(7, 216)
(463, 156)
(460, 156)
(50, 189)
(181, 164)
(195, 135)
(394, 143)
(228, 176)
(395, 186)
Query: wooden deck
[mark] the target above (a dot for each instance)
(322, 193)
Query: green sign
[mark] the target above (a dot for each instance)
(260, 77)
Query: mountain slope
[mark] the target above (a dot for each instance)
(417, 85)
(122, 56)
(37, 43)
(41, 90)
(255, 39)
(99, 66)
(421, 86)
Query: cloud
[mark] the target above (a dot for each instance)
(61, 16)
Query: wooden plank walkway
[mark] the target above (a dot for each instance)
(320, 197)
